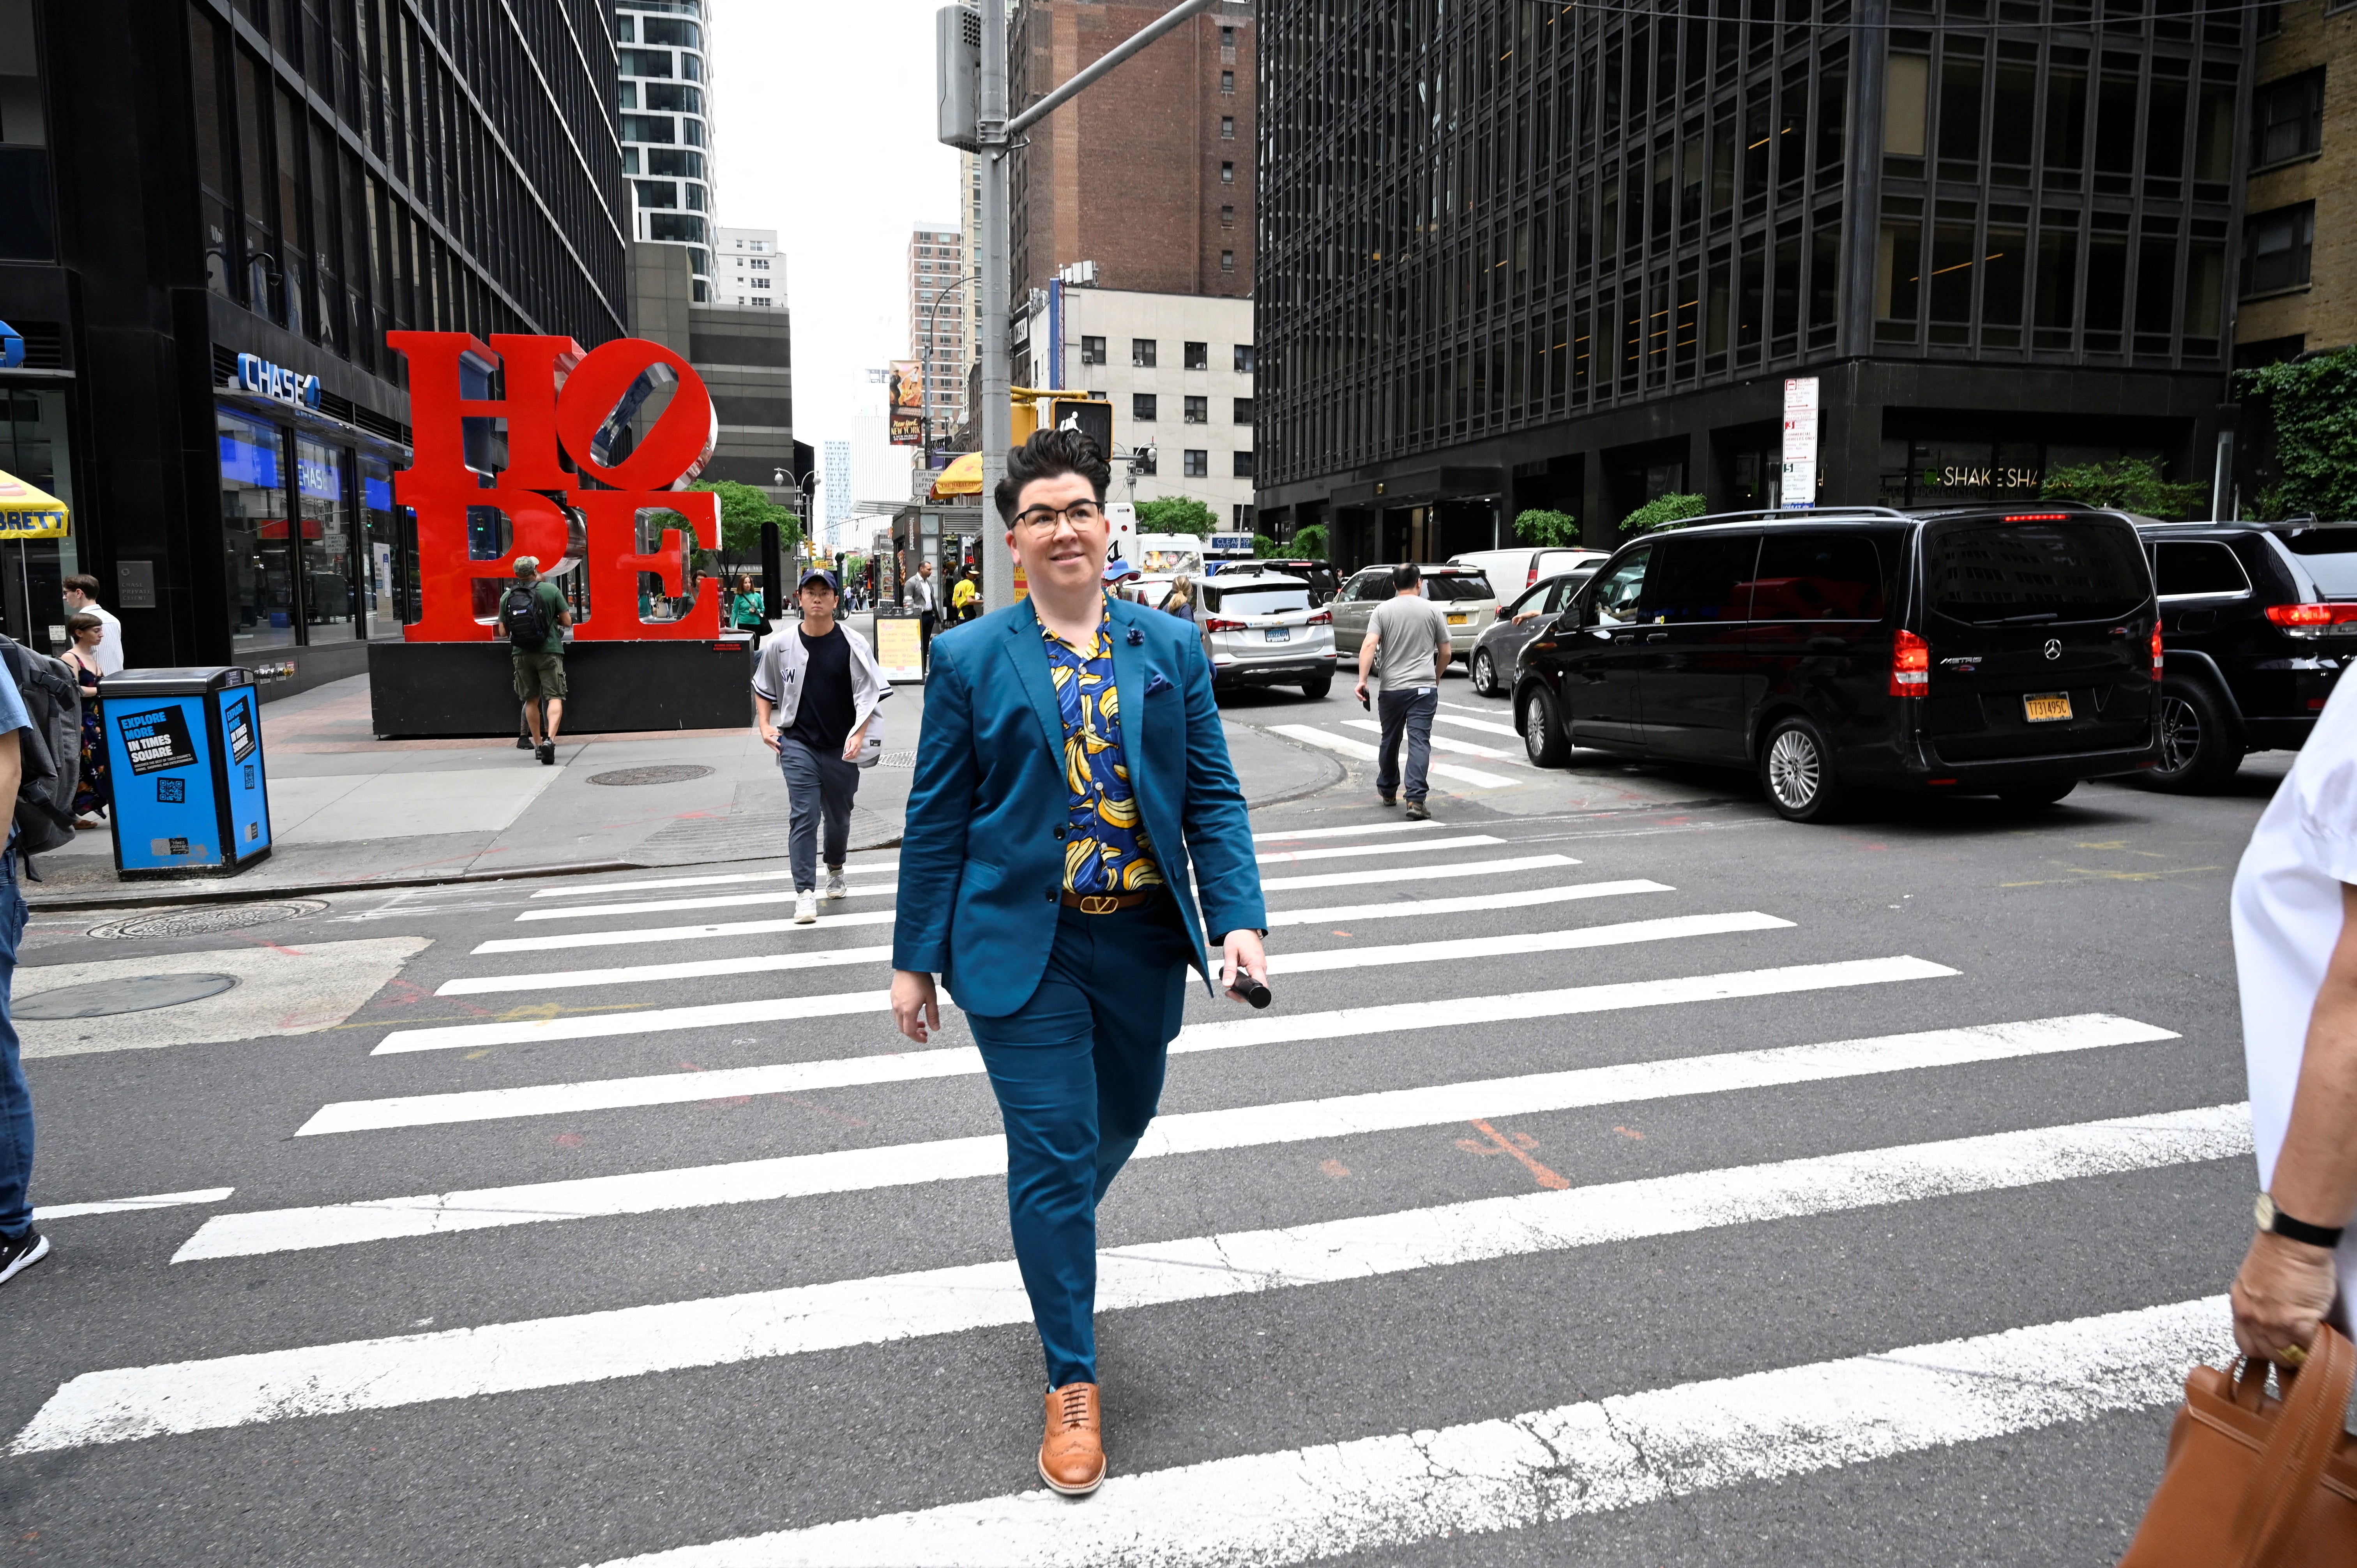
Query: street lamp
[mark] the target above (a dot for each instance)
(925, 373)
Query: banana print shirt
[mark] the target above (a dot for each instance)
(1105, 847)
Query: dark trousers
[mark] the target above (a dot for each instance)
(925, 619)
(15, 1096)
(1077, 1072)
(816, 788)
(1405, 713)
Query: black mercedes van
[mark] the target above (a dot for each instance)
(2012, 652)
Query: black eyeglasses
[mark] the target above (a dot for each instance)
(1044, 519)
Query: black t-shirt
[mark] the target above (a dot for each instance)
(824, 711)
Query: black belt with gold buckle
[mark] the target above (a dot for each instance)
(1103, 903)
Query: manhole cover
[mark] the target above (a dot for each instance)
(138, 995)
(679, 773)
(205, 919)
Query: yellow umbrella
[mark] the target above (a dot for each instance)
(29, 513)
(962, 477)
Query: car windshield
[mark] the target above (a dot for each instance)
(2331, 556)
(1997, 574)
(1457, 589)
(1258, 601)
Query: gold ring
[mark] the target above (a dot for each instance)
(2291, 1356)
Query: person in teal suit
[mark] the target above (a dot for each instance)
(1075, 832)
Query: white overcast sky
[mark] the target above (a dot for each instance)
(824, 131)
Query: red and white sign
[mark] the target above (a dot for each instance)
(1800, 413)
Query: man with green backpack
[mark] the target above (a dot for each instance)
(534, 616)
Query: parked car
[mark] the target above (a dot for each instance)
(1497, 654)
(1464, 595)
(1963, 649)
(2258, 620)
(1319, 574)
(1512, 571)
(1260, 629)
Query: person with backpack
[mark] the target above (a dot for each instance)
(534, 616)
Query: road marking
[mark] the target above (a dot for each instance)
(1491, 725)
(695, 969)
(1415, 847)
(715, 901)
(1445, 743)
(1541, 1466)
(1362, 752)
(123, 1404)
(953, 1159)
(561, 940)
(1393, 874)
(131, 1205)
(852, 868)
(1463, 949)
(1461, 906)
(645, 1021)
(1344, 832)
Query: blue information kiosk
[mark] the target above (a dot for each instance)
(184, 752)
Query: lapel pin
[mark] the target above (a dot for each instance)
(1136, 638)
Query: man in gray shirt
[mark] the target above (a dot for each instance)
(1409, 634)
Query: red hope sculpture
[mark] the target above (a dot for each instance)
(558, 398)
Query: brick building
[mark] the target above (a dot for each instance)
(938, 340)
(2299, 226)
(1149, 174)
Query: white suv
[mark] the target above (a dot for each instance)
(1259, 630)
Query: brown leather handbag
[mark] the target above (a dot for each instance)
(2253, 1481)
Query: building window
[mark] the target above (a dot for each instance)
(1227, 174)
(1243, 465)
(1195, 464)
(1228, 82)
(1141, 353)
(1227, 127)
(1199, 356)
(1243, 410)
(1244, 358)
(1227, 261)
(1227, 217)
(1241, 517)
(1093, 351)
(1141, 408)
(2276, 248)
(1198, 411)
(2287, 119)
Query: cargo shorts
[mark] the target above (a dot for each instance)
(537, 675)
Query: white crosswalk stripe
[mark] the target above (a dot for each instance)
(1481, 932)
(1450, 744)
(1488, 727)
(1362, 752)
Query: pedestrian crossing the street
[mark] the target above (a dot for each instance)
(1444, 995)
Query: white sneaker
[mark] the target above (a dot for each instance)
(836, 887)
(805, 909)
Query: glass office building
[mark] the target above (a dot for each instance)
(203, 242)
(1527, 254)
(667, 127)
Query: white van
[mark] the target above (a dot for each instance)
(1162, 559)
(1512, 571)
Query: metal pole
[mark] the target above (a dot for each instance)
(1089, 75)
(998, 413)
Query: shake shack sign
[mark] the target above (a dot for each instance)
(156, 739)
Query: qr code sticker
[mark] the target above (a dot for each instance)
(171, 791)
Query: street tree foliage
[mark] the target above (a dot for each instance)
(1311, 543)
(2132, 484)
(743, 511)
(1547, 530)
(1663, 510)
(2308, 412)
(1263, 546)
(1176, 514)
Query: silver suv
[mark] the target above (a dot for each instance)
(1260, 629)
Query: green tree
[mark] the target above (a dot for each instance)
(1263, 546)
(743, 511)
(2310, 408)
(1663, 510)
(1310, 541)
(1547, 530)
(2132, 484)
(1176, 514)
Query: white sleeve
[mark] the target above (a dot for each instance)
(2327, 810)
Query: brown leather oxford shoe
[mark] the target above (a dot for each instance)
(1072, 1455)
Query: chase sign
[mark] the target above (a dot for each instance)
(259, 376)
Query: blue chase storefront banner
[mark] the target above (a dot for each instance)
(190, 794)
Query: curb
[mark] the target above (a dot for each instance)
(257, 894)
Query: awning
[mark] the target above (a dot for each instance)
(962, 477)
(29, 513)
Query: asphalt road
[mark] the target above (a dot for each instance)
(728, 1343)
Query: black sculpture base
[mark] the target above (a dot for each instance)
(418, 689)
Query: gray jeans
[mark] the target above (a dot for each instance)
(815, 785)
(1410, 710)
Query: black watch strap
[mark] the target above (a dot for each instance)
(2272, 1218)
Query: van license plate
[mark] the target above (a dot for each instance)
(1457, 620)
(2046, 705)
(1278, 634)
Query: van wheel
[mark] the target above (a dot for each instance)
(1314, 690)
(1541, 722)
(1485, 673)
(2199, 748)
(1797, 772)
(2030, 796)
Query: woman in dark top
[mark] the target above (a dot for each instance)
(92, 793)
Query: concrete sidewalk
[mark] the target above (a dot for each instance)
(349, 809)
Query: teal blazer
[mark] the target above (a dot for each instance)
(982, 868)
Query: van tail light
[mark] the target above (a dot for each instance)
(1534, 577)
(2314, 621)
(2155, 653)
(1216, 624)
(1323, 618)
(1910, 665)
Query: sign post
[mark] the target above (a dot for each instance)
(1800, 410)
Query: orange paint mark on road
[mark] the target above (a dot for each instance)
(1519, 1147)
(569, 1140)
(1342, 933)
(1334, 1168)
(1631, 1133)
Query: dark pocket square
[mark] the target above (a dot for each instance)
(1155, 682)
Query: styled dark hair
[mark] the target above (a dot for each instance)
(86, 586)
(83, 620)
(1047, 454)
(1407, 576)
